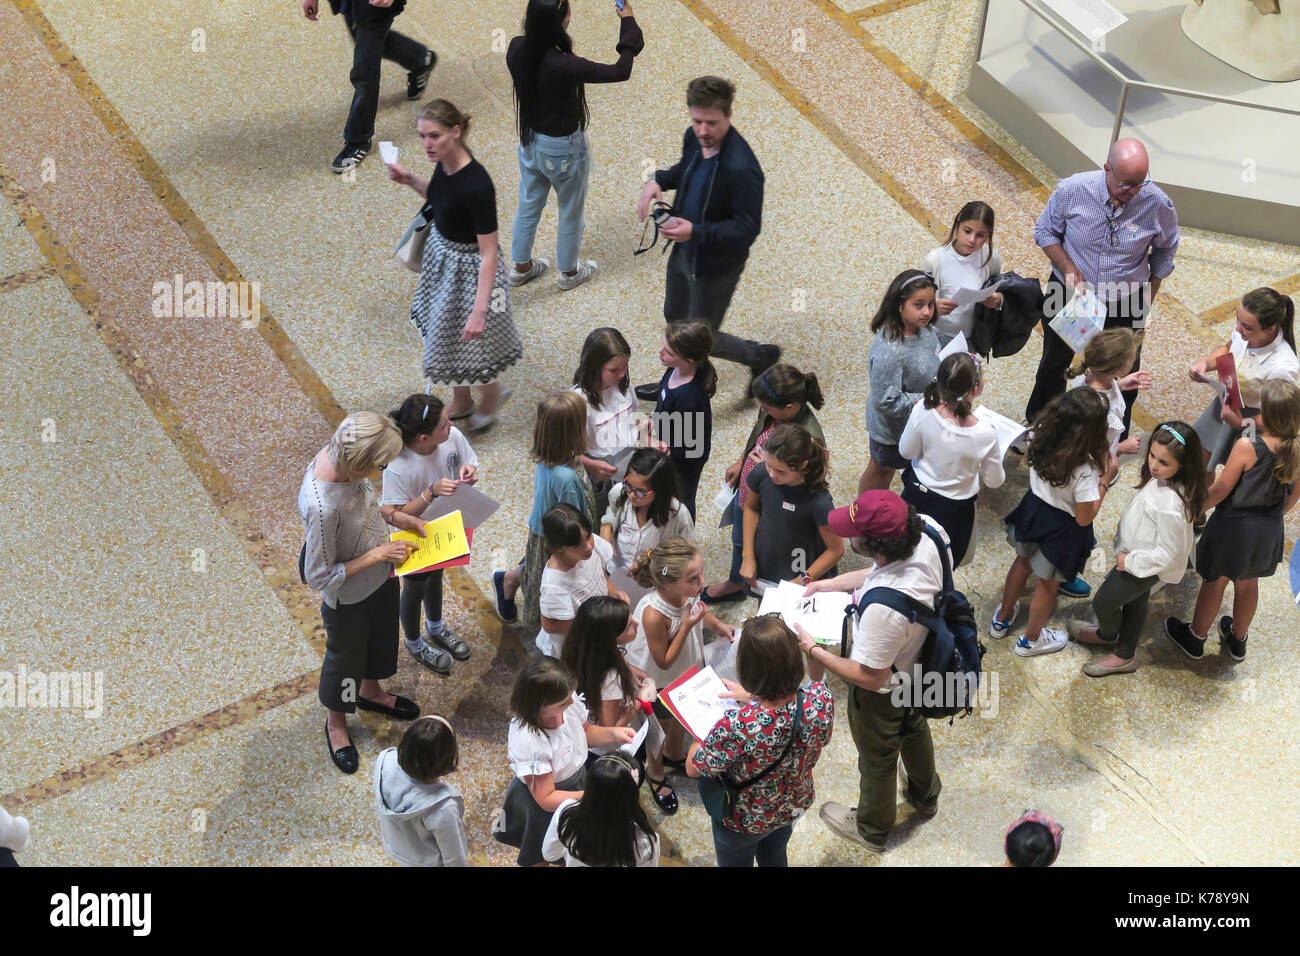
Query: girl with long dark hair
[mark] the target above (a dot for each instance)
(551, 113)
(607, 827)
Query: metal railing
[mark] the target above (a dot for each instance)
(1068, 32)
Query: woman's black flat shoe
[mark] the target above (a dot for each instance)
(708, 598)
(345, 758)
(675, 764)
(402, 708)
(666, 802)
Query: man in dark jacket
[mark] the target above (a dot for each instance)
(717, 214)
(370, 23)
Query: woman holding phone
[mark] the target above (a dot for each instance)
(552, 114)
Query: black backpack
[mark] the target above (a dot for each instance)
(946, 674)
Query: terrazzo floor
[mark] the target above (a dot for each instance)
(153, 463)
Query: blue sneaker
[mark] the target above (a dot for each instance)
(506, 609)
(1000, 629)
(1078, 588)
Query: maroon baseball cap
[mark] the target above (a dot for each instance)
(880, 514)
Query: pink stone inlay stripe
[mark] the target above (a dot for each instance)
(226, 384)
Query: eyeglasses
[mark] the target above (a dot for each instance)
(636, 492)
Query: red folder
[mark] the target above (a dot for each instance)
(1227, 368)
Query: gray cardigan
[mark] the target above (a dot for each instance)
(900, 369)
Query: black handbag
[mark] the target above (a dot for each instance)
(719, 794)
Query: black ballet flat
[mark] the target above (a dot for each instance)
(403, 709)
(345, 758)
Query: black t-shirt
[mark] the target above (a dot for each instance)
(788, 539)
(464, 204)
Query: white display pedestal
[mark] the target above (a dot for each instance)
(1229, 167)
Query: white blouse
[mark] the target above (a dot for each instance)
(1256, 366)
(561, 752)
(948, 459)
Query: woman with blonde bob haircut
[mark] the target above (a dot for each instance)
(347, 558)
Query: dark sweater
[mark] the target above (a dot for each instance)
(560, 77)
(464, 204)
(733, 204)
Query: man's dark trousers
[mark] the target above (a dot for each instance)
(705, 299)
(1049, 381)
(375, 40)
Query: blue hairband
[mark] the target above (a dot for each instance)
(1170, 429)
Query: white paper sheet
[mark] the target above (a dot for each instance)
(956, 346)
(821, 614)
(474, 506)
(971, 296)
(698, 703)
(1219, 388)
(722, 501)
(721, 656)
(1008, 430)
(631, 749)
(388, 152)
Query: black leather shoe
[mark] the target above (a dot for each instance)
(345, 758)
(648, 392)
(403, 709)
(771, 354)
(663, 795)
(707, 598)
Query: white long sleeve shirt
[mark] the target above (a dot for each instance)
(1155, 532)
(948, 459)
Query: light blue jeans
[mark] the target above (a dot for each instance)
(562, 162)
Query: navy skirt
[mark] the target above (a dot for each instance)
(1058, 536)
(957, 515)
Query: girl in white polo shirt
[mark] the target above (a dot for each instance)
(1263, 347)
(434, 459)
(1152, 544)
(950, 450)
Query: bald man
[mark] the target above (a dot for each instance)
(1116, 231)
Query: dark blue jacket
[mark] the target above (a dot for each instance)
(733, 203)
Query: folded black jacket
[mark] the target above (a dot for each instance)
(733, 203)
(1005, 331)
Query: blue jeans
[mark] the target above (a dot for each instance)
(740, 849)
(564, 163)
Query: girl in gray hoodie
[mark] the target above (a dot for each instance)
(421, 817)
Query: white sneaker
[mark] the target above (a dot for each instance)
(1049, 641)
(1000, 629)
(515, 278)
(586, 269)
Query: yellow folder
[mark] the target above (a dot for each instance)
(444, 539)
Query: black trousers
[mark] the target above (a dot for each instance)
(374, 40)
(1049, 381)
(360, 644)
(705, 299)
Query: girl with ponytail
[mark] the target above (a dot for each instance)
(1244, 538)
(950, 451)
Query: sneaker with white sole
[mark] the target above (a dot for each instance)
(844, 821)
(434, 658)
(1050, 640)
(1000, 629)
(349, 157)
(586, 269)
(538, 267)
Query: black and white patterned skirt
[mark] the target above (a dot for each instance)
(444, 299)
